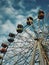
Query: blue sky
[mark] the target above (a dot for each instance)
(13, 12)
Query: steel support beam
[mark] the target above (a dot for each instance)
(33, 54)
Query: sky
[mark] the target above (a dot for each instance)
(13, 12)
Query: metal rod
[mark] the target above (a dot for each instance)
(32, 62)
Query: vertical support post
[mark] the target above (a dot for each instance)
(40, 53)
(32, 62)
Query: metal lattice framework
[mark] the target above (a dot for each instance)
(23, 49)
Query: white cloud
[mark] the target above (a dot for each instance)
(1, 16)
(34, 10)
(0, 22)
(12, 13)
(9, 10)
(9, 2)
(20, 19)
(34, 0)
(7, 27)
(21, 4)
(2, 39)
(48, 5)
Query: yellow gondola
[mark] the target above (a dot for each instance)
(41, 14)
(20, 28)
(1, 56)
(29, 20)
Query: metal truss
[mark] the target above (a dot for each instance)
(25, 49)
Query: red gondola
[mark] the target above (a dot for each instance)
(41, 14)
(3, 50)
(4, 45)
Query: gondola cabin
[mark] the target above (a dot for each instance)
(37, 39)
(3, 50)
(20, 28)
(1, 56)
(11, 40)
(29, 20)
(11, 35)
(4, 45)
(41, 14)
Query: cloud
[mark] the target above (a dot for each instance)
(2, 39)
(34, 0)
(7, 27)
(0, 22)
(21, 4)
(34, 10)
(48, 5)
(9, 10)
(9, 13)
(20, 19)
(14, 15)
(1, 17)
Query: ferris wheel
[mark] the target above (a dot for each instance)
(23, 48)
